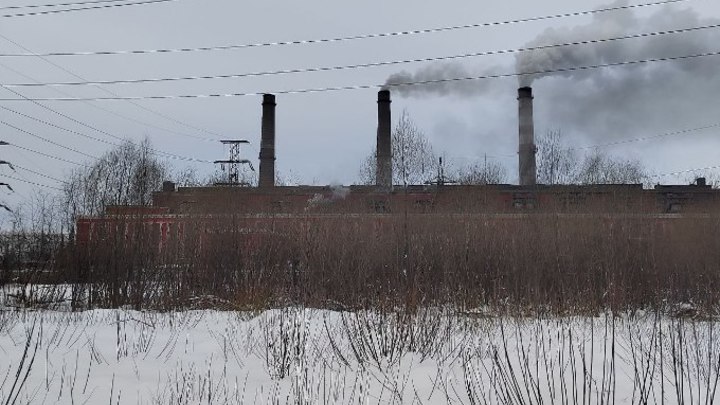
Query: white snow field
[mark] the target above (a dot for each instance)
(306, 356)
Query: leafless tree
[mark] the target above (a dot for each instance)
(414, 161)
(246, 177)
(187, 177)
(126, 175)
(600, 168)
(556, 163)
(482, 173)
(560, 164)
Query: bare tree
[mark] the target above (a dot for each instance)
(187, 177)
(481, 174)
(556, 163)
(126, 175)
(600, 168)
(246, 177)
(560, 164)
(414, 161)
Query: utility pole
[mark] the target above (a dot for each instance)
(233, 163)
(441, 180)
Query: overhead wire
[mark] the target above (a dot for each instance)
(361, 36)
(70, 10)
(33, 163)
(24, 198)
(138, 105)
(81, 3)
(41, 174)
(32, 183)
(47, 155)
(684, 172)
(681, 132)
(167, 154)
(641, 35)
(379, 86)
(432, 81)
(365, 65)
(47, 140)
(647, 138)
(111, 112)
(15, 166)
(50, 124)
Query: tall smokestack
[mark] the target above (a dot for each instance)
(267, 143)
(383, 173)
(527, 149)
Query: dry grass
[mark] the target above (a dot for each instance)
(544, 262)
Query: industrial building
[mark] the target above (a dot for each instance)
(258, 209)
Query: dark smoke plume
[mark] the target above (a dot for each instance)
(441, 75)
(603, 26)
(617, 24)
(616, 101)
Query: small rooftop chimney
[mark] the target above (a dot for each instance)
(527, 150)
(267, 143)
(168, 186)
(383, 173)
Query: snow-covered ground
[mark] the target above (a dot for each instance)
(306, 356)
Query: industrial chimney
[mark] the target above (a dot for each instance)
(527, 148)
(267, 143)
(383, 172)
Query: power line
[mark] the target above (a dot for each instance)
(68, 10)
(167, 154)
(34, 164)
(47, 140)
(68, 71)
(364, 65)
(355, 37)
(684, 172)
(603, 145)
(106, 110)
(61, 4)
(48, 155)
(24, 197)
(33, 183)
(647, 138)
(41, 174)
(376, 86)
(50, 124)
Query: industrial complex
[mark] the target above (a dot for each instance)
(256, 210)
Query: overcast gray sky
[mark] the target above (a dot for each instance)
(323, 137)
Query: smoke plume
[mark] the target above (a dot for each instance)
(616, 101)
(440, 79)
(618, 24)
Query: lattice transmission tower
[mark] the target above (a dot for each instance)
(233, 163)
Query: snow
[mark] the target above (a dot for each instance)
(308, 356)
